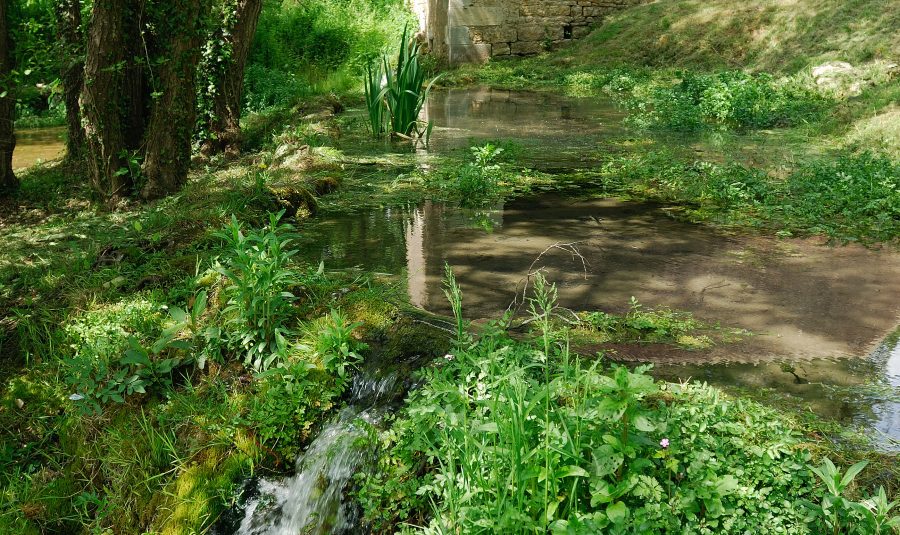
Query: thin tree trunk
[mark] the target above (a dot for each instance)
(225, 120)
(8, 180)
(101, 98)
(68, 16)
(172, 121)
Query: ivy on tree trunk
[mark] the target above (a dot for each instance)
(68, 17)
(101, 101)
(8, 180)
(172, 120)
(223, 93)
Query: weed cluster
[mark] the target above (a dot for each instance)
(643, 325)
(476, 182)
(522, 437)
(727, 99)
(848, 197)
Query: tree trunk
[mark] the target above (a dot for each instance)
(172, 120)
(8, 180)
(101, 100)
(224, 121)
(68, 17)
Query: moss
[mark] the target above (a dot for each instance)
(200, 493)
(296, 202)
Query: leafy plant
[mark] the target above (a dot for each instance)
(522, 437)
(478, 181)
(337, 347)
(259, 306)
(399, 102)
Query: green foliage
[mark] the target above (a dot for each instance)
(852, 197)
(639, 324)
(259, 305)
(521, 437)
(379, 118)
(337, 347)
(849, 197)
(100, 370)
(837, 514)
(728, 99)
(288, 402)
(476, 182)
(299, 45)
(400, 101)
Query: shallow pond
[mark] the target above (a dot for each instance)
(818, 314)
(822, 309)
(35, 145)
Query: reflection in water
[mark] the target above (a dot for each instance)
(809, 305)
(38, 144)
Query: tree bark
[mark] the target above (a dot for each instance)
(101, 100)
(224, 128)
(173, 116)
(68, 16)
(8, 180)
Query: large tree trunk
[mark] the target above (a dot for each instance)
(224, 121)
(68, 18)
(8, 180)
(172, 121)
(101, 98)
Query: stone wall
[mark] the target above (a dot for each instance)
(463, 31)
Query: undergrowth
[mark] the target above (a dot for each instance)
(525, 437)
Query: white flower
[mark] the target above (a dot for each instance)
(76, 397)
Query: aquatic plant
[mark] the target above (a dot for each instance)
(399, 101)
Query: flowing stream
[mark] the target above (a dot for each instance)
(311, 501)
(819, 314)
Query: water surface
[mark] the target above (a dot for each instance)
(35, 145)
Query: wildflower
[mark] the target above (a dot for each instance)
(664, 443)
(76, 397)
(449, 356)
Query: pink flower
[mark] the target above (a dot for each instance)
(664, 443)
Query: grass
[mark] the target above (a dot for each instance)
(478, 448)
(80, 281)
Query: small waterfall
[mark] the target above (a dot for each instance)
(311, 502)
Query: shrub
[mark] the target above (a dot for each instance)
(259, 272)
(729, 99)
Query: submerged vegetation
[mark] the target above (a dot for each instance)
(156, 355)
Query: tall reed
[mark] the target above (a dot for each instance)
(399, 101)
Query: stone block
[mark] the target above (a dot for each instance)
(459, 35)
(500, 49)
(536, 33)
(477, 15)
(524, 48)
(493, 34)
(475, 53)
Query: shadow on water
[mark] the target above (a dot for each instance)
(812, 308)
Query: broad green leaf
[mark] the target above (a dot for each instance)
(572, 471)
(642, 423)
(617, 512)
(852, 473)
